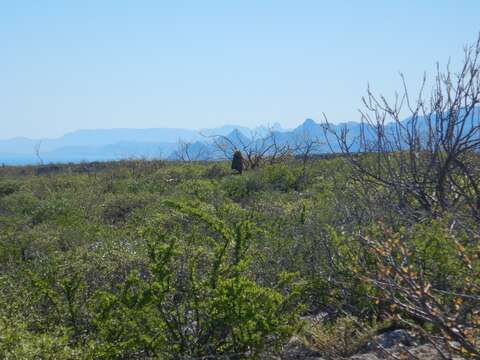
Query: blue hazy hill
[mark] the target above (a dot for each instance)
(116, 144)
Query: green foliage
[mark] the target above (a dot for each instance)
(118, 207)
(279, 177)
(193, 307)
(152, 260)
(58, 209)
(201, 189)
(17, 342)
(8, 187)
(19, 203)
(216, 171)
(242, 187)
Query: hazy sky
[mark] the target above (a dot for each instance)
(66, 65)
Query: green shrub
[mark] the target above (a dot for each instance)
(18, 342)
(118, 207)
(203, 190)
(52, 209)
(19, 203)
(216, 171)
(279, 177)
(8, 187)
(193, 303)
(241, 187)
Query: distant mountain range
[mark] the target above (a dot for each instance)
(173, 144)
(113, 144)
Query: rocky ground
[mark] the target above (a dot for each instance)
(396, 344)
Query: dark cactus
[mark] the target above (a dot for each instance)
(237, 161)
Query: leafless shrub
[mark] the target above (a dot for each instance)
(305, 145)
(256, 148)
(430, 161)
(37, 152)
(189, 151)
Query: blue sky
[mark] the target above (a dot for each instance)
(67, 65)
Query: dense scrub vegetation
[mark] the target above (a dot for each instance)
(172, 260)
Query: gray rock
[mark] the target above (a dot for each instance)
(369, 356)
(390, 339)
(315, 319)
(428, 352)
(421, 352)
(295, 349)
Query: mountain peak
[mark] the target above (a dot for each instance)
(309, 122)
(277, 127)
(308, 125)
